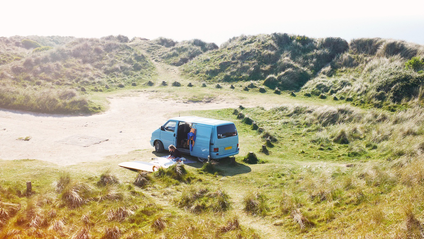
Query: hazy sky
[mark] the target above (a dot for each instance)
(214, 21)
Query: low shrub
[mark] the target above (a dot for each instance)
(176, 83)
(322, 96)
(251, 158)
(240, 115)
(247, 120)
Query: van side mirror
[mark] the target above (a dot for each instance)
(162, 128)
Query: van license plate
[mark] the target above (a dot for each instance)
(227, 148)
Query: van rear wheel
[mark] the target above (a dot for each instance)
(158, 147)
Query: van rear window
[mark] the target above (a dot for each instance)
(225, 131)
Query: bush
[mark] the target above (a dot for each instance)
(251, 158)
(42, 48)
(176, 83)
(293, 79)
(27, 43)
(416, 64)
(247, 120)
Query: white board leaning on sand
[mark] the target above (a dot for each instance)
(152, 166)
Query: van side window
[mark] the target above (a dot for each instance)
(170, 126)
(225, 131)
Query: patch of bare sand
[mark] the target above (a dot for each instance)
(67, 140)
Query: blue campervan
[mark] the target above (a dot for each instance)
(214, 139)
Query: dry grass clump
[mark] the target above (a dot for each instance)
(81, 234)
(107, 179)
(198, 200)
(301, 220)
(159, 224)
(256, 204)
(119, 214)
(57, 225)
(76, 195)
(232, 224)
(112, 233)
(142, 180)
(7, 211)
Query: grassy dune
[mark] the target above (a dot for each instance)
(328, 171)
(339, 157)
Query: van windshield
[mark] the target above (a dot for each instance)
(225, 131)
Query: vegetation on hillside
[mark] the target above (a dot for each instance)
(369, 72)
(329, 171)
(176, 53)
(56, 79)
(290, 60)
(375, 72)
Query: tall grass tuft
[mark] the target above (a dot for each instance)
(159, 223)
(81, 234)
(107, 179)
(198, 200)
(232, 224)
(75, 195)
(256, 204)
(175, 172)
(142, 180)
(119, 214)
(112, 233)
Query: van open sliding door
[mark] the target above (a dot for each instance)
(202, 144)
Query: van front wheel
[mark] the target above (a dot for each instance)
(158, 147)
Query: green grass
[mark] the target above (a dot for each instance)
(332, 169)
(308, 184)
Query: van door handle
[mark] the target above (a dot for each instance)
(174, 135)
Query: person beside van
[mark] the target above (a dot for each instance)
(174, 153)
(191, 137)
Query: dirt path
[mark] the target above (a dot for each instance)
(67, 140)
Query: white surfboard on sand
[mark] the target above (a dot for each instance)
(151, 166)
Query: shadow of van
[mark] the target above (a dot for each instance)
(227, 166)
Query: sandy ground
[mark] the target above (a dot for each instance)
(67, 140)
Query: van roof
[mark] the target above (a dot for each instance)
(201, 120)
